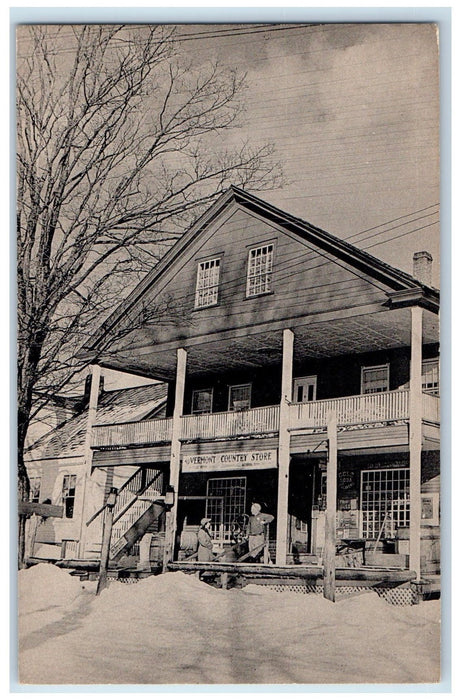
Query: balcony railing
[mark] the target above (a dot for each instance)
(431, 408)
(231, 423)
(350, 410)
(140, 433)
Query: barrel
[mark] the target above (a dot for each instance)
(189, 539)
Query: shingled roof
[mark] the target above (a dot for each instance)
(119, 406)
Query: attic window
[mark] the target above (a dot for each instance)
(259, 277)
(206, 292)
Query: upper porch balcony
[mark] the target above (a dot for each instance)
(350, 410)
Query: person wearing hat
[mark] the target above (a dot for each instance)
(257, 531)
(205, 543)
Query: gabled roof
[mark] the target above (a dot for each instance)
(119, 406)
(346, 252)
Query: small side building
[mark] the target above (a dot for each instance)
(59, 474)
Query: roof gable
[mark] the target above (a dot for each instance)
(171, 276)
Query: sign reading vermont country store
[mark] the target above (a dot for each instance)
(221, 461)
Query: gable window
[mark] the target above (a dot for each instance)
(239, 397)
(206, 291)
(259, 279)
(375, 379)
(68, 494)
(430, 377)
(202, 400)
(34, 492)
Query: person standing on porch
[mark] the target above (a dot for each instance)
(205, 543)
(257, 531)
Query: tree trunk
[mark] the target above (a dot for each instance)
(23, 495)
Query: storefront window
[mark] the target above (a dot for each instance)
(225, 502)
(385, 499)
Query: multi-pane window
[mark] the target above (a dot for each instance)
(68, 494)
(430, 376)
(34, 491)
(202, 401)
(225, 502)
(239, 397)
(206, 292)
(385, 499)
(375, 379)
(260, 262)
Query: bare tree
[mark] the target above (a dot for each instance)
(119, 149)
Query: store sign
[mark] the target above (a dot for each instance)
(223, 461)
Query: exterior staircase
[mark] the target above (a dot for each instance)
(137, 510)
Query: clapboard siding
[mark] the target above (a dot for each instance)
(304, 280)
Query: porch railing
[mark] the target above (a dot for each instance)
(231, 423)
(431, 408)
(138, 433)
(350, 410)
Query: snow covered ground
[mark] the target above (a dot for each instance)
(175, 629)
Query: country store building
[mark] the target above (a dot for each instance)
(277, 325)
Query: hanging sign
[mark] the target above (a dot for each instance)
(224, 461)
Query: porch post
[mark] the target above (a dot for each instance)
(329, 550)
(415, 438)
(175, 458)
(284, 448)
(88, 455)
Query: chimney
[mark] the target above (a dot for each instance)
(87, 391)
(422, 267)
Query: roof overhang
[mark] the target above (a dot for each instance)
(424, 297)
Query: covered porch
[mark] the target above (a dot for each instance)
(283, 354)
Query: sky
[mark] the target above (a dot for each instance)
(353, 113)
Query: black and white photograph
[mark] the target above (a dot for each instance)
(228, 354)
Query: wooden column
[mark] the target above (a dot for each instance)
(175, 458)
(329, 550)
(88, 454)
(415, 438)
(106, 538)
(284, 448)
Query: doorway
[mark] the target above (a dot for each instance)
(304, 389)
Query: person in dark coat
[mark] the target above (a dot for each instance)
(205, 543)
(257, 531)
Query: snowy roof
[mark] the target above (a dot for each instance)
(119, 406)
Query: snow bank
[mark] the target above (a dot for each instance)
(46, 585)
(174, 628)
